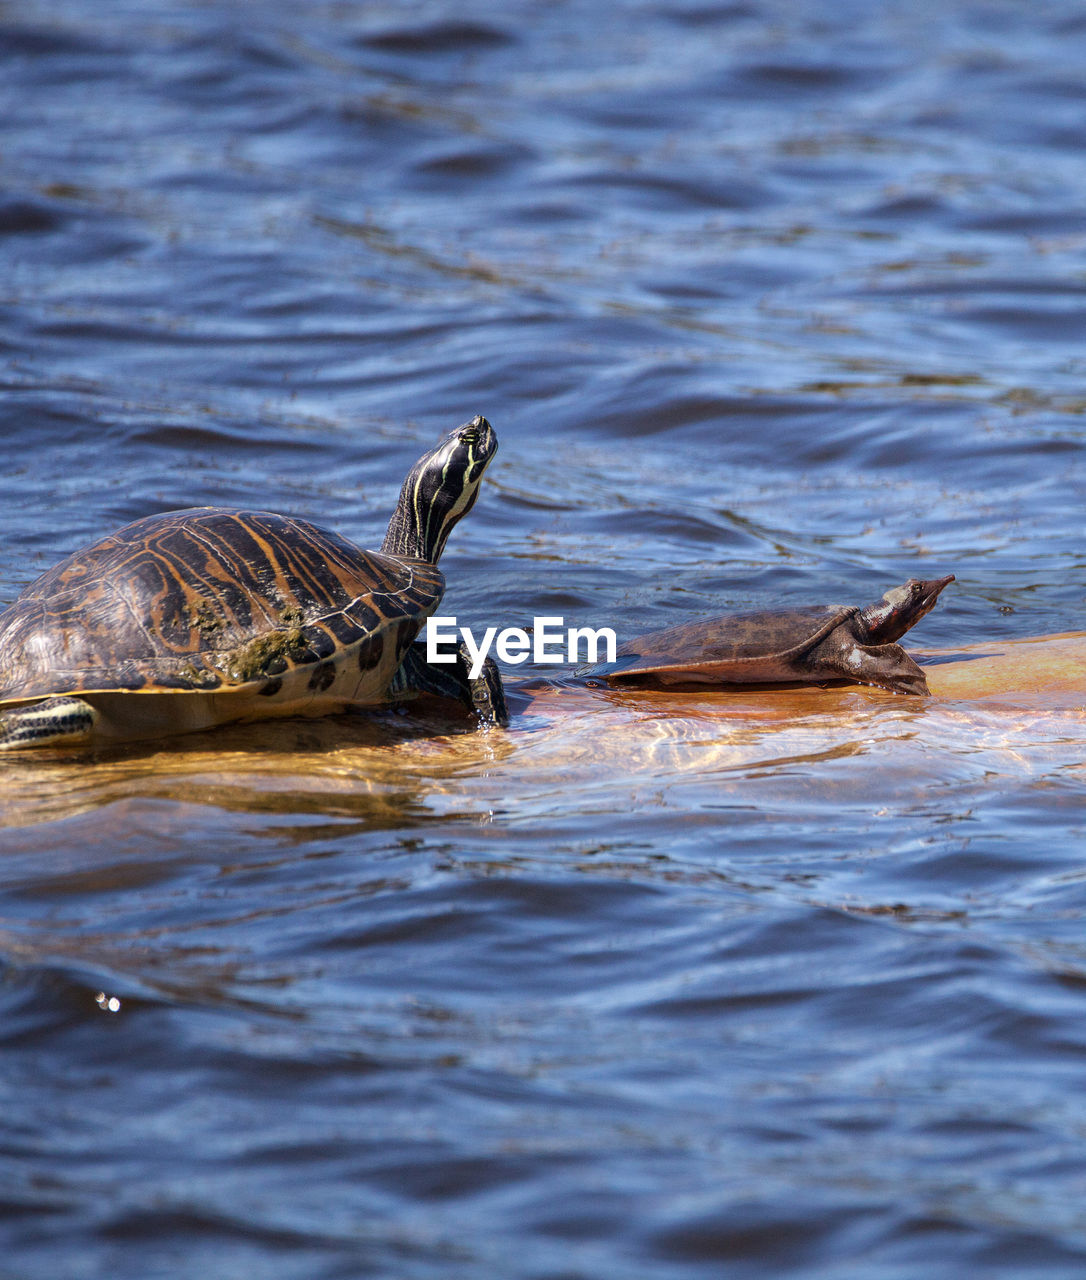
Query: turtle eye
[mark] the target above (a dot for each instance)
(471, 432)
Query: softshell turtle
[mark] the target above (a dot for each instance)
(806, 644)
(211, 615)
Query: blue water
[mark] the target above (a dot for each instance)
(768, 303)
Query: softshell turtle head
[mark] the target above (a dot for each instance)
(900, 608)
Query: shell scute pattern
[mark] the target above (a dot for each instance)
(740, 638)
(323, 676)
(370, 652)
(208, 598)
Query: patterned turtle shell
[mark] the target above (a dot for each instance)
(809, 643)
(214, 599)
(731, 642)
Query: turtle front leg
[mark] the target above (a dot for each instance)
(484, 695)
(53, 722)
(887, 666)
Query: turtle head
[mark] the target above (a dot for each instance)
(901, 608)
(440, 488)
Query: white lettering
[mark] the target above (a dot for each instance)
(435, 636)
(478, 652)
(445, 641)
(592, 639)
(513, 645)
(543, 637)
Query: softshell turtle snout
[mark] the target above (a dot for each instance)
(902, 608)
(925, 592)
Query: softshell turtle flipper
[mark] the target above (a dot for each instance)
(886, 666)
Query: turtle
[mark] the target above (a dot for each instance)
(202, 617)
(808, 644)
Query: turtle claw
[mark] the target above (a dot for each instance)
(485, 694)
(909, 684)
(886, 666)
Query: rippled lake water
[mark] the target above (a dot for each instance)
(768, 302)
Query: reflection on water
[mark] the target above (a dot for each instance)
(1018, 704)
(770, 304)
